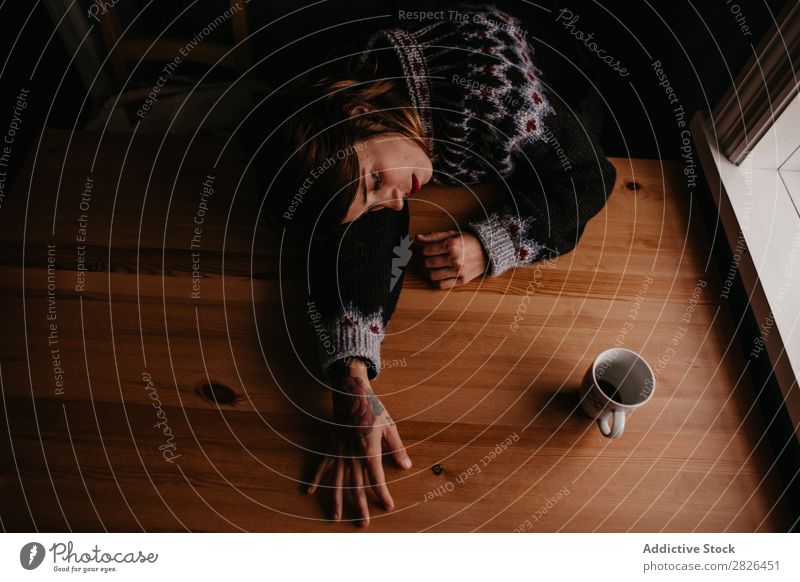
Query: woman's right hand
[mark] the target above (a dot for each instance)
(361, 426)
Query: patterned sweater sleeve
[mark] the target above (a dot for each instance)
(355, 280)
(558, 183)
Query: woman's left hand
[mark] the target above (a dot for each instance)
(451, 258)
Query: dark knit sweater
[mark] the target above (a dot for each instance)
(488, 115)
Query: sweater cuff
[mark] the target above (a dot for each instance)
(354, 335)
(497, 242)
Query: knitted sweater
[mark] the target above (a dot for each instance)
(488, 115)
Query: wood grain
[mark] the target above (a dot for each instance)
(459, 379)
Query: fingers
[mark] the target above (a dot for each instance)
(450, 283)
(452, 246)
(443, 273)
(360, 495)
(321, 470)
(454, 261)
(434, 236)
(447, 278)
(437, 261)
(338, 483)
(435, 248)
(396, 447)
(376, 476)
(356, 472)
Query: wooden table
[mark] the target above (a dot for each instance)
(105, 426)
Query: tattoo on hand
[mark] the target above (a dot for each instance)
(377, 407)
(355, 406)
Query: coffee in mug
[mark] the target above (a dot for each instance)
(618, 382)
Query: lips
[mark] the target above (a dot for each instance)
(414, 184)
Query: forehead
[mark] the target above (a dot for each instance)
(380, 142)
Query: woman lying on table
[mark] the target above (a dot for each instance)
(453, 101)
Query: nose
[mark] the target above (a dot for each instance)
(394, 202)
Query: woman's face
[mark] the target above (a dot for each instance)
(392, 167)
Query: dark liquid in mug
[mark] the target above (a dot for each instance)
(610, 390)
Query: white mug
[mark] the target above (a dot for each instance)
(618, 382)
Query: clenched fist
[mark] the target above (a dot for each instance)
(452, 258)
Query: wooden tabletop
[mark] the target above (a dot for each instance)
(109, 342)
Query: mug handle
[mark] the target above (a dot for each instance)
(619, 423)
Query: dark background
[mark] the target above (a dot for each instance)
(700, 45)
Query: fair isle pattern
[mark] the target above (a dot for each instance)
(414, 67)
(477, 129)
(530, 114)
(354, 334)
(416, 73)
(505, 236)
